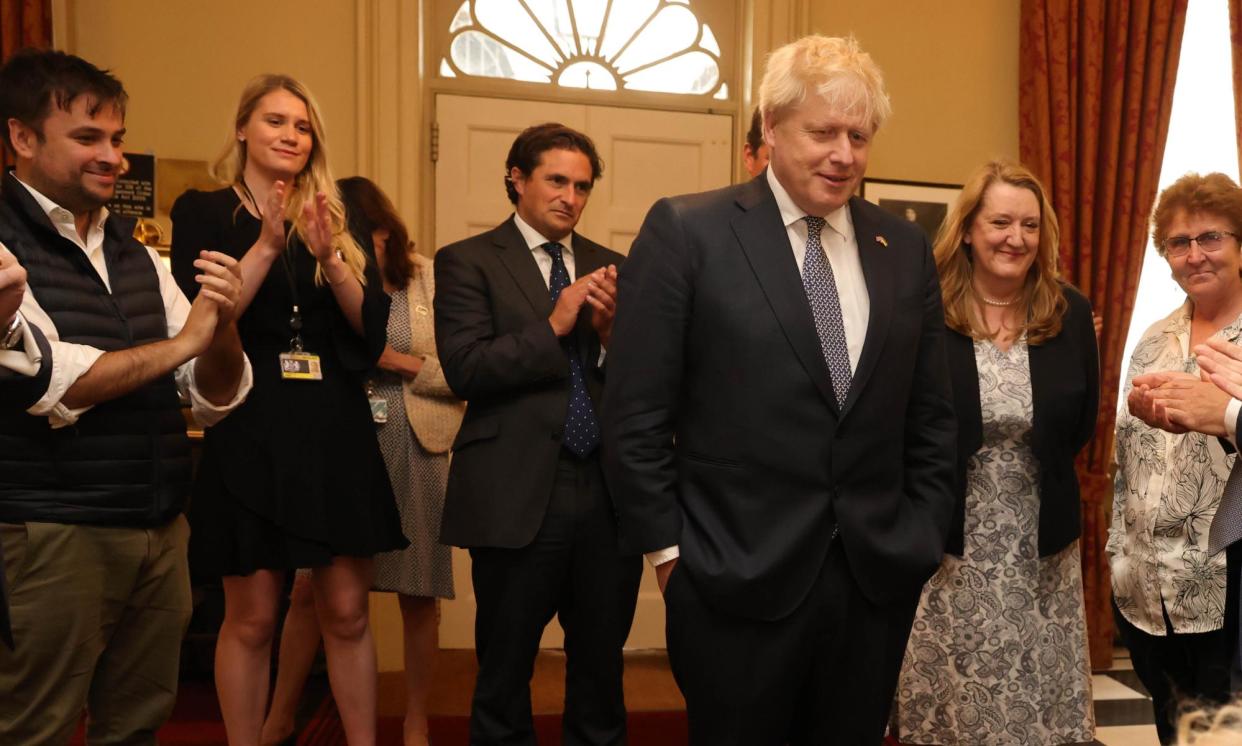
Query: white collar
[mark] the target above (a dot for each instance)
(535, 240)
(839, 218)
(58, 215)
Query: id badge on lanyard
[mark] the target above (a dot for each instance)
(379, 405)
(297, 364)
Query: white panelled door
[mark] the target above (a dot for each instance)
(647, 155)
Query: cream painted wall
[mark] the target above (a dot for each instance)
(184, 64)
(952, 73)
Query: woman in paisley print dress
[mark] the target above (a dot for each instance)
(998, 651)
(1168, 589)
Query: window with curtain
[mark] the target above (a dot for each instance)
(638, 45)
(1202, 138)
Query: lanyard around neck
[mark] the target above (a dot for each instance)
(287, 261)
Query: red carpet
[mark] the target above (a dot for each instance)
(196, 722)
(646, 728)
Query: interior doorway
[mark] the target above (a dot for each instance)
(647, 154)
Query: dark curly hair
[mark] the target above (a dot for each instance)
(33, 79)
(530, 145)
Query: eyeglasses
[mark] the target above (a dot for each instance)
(1208, 242)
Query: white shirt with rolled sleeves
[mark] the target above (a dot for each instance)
(71, 361)
(841, 248)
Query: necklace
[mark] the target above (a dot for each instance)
(995, 302)
(258, 211)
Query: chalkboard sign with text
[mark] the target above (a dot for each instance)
(135, 191)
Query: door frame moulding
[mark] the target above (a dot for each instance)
(397, 86)
(398, 79)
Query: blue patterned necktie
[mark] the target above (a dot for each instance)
(581, 427)
(821, 292)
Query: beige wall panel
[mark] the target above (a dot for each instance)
(486, 151)
(184, 63)
(648, 155)
(475, 137)
(952, 72)
(636, 160)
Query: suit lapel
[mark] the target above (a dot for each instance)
(515, 255)
(761, 233)
(878, 272)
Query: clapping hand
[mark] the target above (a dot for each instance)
(1143, 404)
(214, 308)
(317, 225)
(1184, 402)
(1222, 362)
(272, 234)
(602, 296)
(220, 280)
(569, 302)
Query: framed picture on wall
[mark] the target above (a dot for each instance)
(922, 202)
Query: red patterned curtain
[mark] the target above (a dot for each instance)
(23, 23)
(1095, 92)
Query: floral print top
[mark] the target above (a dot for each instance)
(1165, 493)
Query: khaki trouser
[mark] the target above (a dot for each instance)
(98, 616)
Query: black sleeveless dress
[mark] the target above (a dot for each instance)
(294, 476)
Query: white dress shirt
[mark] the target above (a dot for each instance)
(841, 249)
(71, 361)
(535, 242)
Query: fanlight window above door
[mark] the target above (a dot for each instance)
(638, 45)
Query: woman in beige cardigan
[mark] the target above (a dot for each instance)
(417, 418)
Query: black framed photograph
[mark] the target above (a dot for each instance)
(923, 202)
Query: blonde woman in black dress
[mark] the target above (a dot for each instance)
(295, 478)
(421, 419)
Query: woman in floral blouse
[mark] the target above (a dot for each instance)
(1168, 592)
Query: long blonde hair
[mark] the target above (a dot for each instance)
(1042, 294)
(230, 168)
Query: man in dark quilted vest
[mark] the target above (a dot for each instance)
(94, 460)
